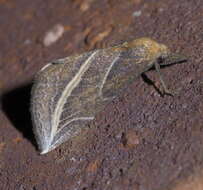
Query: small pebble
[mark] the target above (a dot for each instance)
(137, 13)
(53, 35)
(130, 139)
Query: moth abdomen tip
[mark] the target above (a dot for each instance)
(44, 146)
(44, 151)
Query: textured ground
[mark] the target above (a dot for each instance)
(141, 141)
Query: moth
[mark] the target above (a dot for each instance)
(69, 92)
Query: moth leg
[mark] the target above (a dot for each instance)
(166, 90)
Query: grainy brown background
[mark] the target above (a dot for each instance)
(140, 141)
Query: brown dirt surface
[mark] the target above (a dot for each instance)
(141, 141)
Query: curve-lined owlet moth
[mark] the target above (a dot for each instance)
(67, 93)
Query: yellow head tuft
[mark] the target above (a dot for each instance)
(152, 49)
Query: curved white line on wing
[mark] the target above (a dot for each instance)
(67, 92)
(75, 119)
(106, 75)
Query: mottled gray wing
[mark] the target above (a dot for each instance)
(67, 94)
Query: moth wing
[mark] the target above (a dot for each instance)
(66, 95)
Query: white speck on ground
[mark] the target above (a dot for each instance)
(53, 35)
(137, 13)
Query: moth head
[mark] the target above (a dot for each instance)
(149, 48)
(153, 51)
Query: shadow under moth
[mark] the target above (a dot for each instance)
(69, 92)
